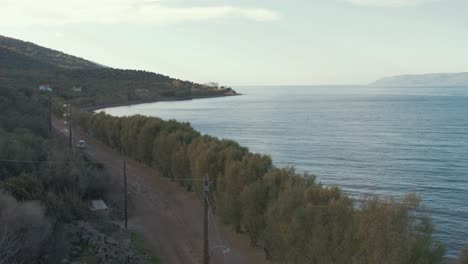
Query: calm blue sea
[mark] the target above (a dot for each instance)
(367, 140)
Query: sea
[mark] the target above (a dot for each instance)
(365, 139)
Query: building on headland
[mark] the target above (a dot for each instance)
(77, 89)
(212, 85)
(45, 88)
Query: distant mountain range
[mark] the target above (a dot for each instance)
(433, 79)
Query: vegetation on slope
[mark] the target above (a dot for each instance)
(43, 184)
(29, 65)
(36, 196)
(45, 55)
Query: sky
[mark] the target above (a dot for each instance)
(252, 42)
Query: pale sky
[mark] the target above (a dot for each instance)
(252, 42)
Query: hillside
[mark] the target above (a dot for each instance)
(46, 187)
(46, 55)
(10, 59)
(433, 79)
(29, 65)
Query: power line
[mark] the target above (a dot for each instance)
(48, 162)
(185, 179)
(380, 202)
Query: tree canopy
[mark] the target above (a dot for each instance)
(294, 218)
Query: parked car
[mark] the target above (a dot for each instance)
(81, 144)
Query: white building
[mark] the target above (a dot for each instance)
(76, 89)
(45, 88)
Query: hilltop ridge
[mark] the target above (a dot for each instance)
(46, 55)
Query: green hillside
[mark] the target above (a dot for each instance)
(45, 55)
(32, 65)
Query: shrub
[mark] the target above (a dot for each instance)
(23, 230)
(463, 258)
(24, 187)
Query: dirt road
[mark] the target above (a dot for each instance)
(168, 218)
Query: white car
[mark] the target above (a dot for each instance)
(81, 144)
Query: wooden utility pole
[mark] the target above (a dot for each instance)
(50, 117)
(70, 126)
(206, 189)
(125, 191)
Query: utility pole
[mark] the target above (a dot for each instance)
(68, 115)
(70, 126)
(125, 191)
(50, 117)
(206, 189)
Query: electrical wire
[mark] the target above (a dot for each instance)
(48, 162)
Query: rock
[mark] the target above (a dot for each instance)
(105, 248)
(111, 241)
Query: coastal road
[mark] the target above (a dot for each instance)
(169, 219)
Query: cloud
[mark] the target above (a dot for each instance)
(60, 12)
(390, 3)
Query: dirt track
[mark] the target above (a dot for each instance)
(166, 216)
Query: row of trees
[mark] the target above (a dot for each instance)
(294, 218)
